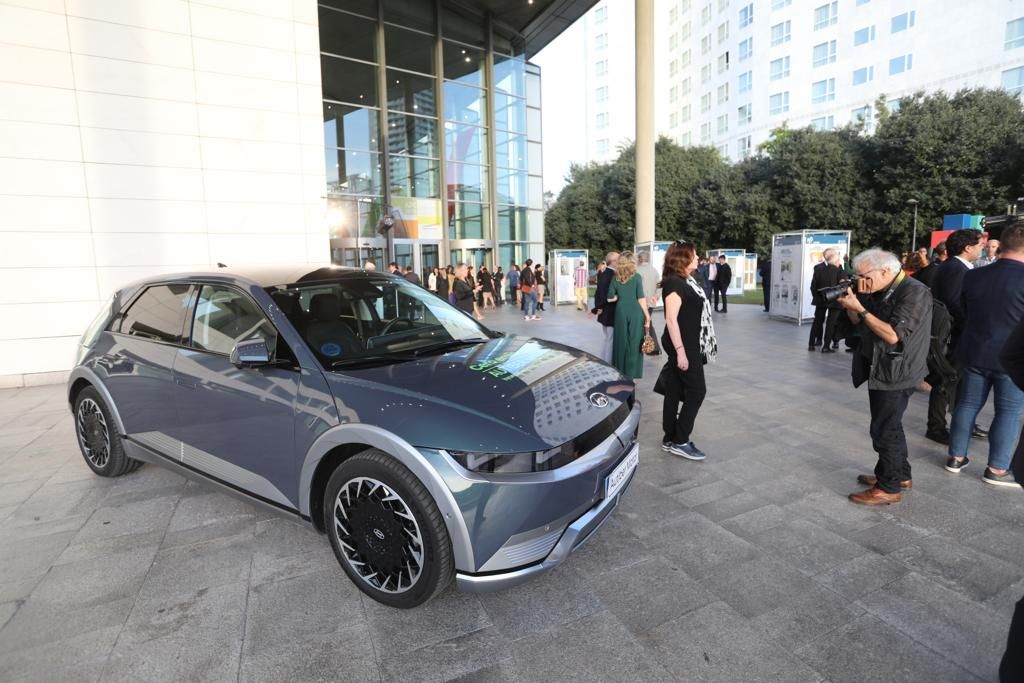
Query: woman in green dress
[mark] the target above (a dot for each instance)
(631, 317)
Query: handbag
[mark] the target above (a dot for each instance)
(647, 345)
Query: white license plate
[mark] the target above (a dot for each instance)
(620, 475)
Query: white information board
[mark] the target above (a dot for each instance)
(794, 255)
(737, 260)
(562, 271)
(656, 252)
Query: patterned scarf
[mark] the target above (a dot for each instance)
(708, 342)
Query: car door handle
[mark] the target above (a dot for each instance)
(184, 383)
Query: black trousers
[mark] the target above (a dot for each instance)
(721, 290)
(941, 401)
(767, 295)
(888, 438)
(1012, 666)
(685, 389)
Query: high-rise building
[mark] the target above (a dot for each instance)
(731, 71)
(589, 110)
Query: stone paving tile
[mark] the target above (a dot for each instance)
(707, 571)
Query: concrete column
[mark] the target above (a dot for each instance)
(645, 134)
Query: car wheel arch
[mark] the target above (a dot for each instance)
(82, 377)
(355, 438)
(318, 485)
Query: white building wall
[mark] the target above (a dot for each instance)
(140, 137)
(955, 44)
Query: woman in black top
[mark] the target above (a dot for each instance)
(462, 290)
(486, 288)
(541, 277)
(689, 340)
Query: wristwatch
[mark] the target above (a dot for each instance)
(862, 315)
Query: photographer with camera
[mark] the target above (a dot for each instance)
(894, 315)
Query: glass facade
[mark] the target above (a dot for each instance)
(433, 116)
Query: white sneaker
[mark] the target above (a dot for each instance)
(536, 317)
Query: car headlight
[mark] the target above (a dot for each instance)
(516, 463)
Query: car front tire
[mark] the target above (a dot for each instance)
(386, 530)
(98, 438)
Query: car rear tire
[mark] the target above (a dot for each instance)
(386, 530)
(98, 438)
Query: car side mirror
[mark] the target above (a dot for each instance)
(250, 353)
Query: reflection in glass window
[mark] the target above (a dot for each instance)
(408, 50)
(510, 75)
(464, 104)
(352, 216)
(464, 63)
(225, 316)
(352, 172)
(158, 314)
(467, 182)
(351, 127)
(348, 81)
(509, 113)
(467, 221)
(512, 223)
(410, 93)
(510, 150)
(512, 187)
(465, 143)
(414, 177)
(414, 135)
(348, 36)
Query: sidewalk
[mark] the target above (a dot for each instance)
(749, 566)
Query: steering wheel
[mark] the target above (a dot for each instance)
(409, 323)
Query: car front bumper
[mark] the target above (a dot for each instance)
(574, 536)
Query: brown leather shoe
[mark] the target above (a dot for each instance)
(874, 496)
(871, 480)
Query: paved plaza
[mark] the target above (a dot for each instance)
(751, 566)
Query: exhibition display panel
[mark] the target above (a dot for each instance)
(561, 274)
(737, 260)
(794, 255)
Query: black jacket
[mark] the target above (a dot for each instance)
(463, 296)
(992, 299)
(947, 285)
(723, 278)
(604, 281)
(825, 275)
(907, 306)
(927, 274)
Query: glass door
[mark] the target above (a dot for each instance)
(478, 258)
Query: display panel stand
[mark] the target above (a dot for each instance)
(794, 256)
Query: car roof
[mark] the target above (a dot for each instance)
(268, 275)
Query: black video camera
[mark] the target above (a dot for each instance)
(830, 294)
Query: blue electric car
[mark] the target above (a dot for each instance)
(424, 445)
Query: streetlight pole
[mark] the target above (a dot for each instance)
(913, 202)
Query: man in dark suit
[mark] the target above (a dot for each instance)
(605, 311)
(766, 283)
(1012, 358)
(828, 273)
(723, 278)
(962, 249)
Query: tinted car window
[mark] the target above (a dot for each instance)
(158, 313)
(224, 316)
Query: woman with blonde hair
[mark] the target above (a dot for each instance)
(631, 317)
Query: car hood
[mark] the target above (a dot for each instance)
(507, 395)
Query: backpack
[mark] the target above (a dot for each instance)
(940, 369)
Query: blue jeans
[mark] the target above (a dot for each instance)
(530, 303)
(975, 385)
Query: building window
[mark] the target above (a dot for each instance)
(684, 59)
(684, 114)
(705, 14)
(778, 103)
(723, 5)
(705, 44)
(893, 105)
(684, 32)
(779, 4)
(743, 147)
(673, 93)
(601, 14)
(746, 82)
(779, 68)
(723, 63)
(602, 119)
(864, 35)
(602, 146)
(862, 2)
(673, 15)
(861, 76)
(705, 73)
(901, 22)
(673, 120)
(684, 139)
(863, 115)
(705, 131)
(823, 54)
(746, 49)
(1015, 33)
(898, 65)
(823, 91)
(601, 94)
(601, 41)
(746, 15)
(673, 68)
(723, 33)
(723, 124)
(744, 115)
(781, 33)
(723, 149)
(826, 15)
(705, 102)
(684, 86)
(1013, 80)
(824, 122)
(673, 42)
(723, 93)
(601, 68)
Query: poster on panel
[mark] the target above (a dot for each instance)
(737, 260)
(562, 273)
(814, 246)
(787, 252)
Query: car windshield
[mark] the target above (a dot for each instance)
(373, 319)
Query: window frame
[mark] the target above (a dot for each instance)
(114, 326)
(197, 287)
